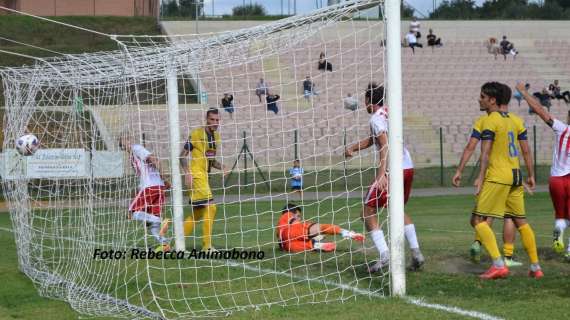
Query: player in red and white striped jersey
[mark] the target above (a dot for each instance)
(559, 182)
(376, 197)
(147, 204)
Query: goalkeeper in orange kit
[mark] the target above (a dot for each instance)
(296, 235)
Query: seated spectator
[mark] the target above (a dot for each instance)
(323, 63)
(544, 98)
(261, 89)
(555, 92)
(433, 40)
(493, 48)
(412, 41)
(415, 28)
(309, 89)
(350, 102)
(227, 104)
(507, 48)
(518, 95)
(272, 102)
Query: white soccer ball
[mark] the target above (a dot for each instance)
(27, 144)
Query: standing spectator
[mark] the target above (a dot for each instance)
(309, 89)
(324, 65)
(297, 177)
(505, 47)
(412, 41)
(227, 104)
(519, 96)
(261, 89)
(350, 102)
(272, 102)
(544, 98)
(433, 40)
(415, 28)
(555, 92)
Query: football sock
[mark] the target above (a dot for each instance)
(534, 267)
(330, 229)
(529, 242)
(560, 225)
(380, 243)
(410, 233)
(190, 221)
(508, 249)
(208, 225)
(155, 231)
(488, 240)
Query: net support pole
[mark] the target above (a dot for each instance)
(174, 137)
(395, 144)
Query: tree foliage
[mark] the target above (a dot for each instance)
(502, 10)
(184, 8)
(249, 10)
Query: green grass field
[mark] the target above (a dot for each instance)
(449, 277)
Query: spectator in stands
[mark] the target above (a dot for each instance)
(544, 98)
(433, 40)
(555, 92)
(324, 64)
(493, 47)
(506, 47)
(261, 89)
(227, 104)
(309, 89)
(518, 95)
(412, 41)
(350, 102)
(415, 28)
(272, 102)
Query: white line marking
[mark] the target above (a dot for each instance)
(411, 300)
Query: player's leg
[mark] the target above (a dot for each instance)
(515, 209)
(509, 231)
(409, 228)
(208, 225)
(558, 195)
(375, 199)
(491, 203)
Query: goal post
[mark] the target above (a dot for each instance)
(395, 145)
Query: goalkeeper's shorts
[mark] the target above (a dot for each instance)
(377, 198)
(295, 237)
(149, 200)
(200, 193)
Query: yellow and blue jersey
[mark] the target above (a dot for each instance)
(505, 130)
(478, 127)
(203, 148)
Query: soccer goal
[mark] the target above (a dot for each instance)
(71, 203)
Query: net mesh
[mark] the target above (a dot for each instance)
(81, 104)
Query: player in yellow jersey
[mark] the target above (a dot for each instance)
(202, 144)
(500, 191)
(508, 226)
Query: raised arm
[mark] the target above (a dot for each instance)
(535, 105)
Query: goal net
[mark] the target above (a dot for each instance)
(70, 201)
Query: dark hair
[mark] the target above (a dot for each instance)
(493, 90)
(212, 110)
(506, 94)
(291, 207)
(297, 160)
(375, 94)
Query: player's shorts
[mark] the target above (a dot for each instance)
(149, 200)
(295, 237)
(560, 195)
(376, 198)
(200, 193)
(295, 188)
(500, 201)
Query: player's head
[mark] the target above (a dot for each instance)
(296, 163)
(506, 94)
(294, 209)
(490, 96)
(373, 97)
(212, 119)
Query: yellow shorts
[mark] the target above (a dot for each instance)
(200, 193)
(499, 201)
